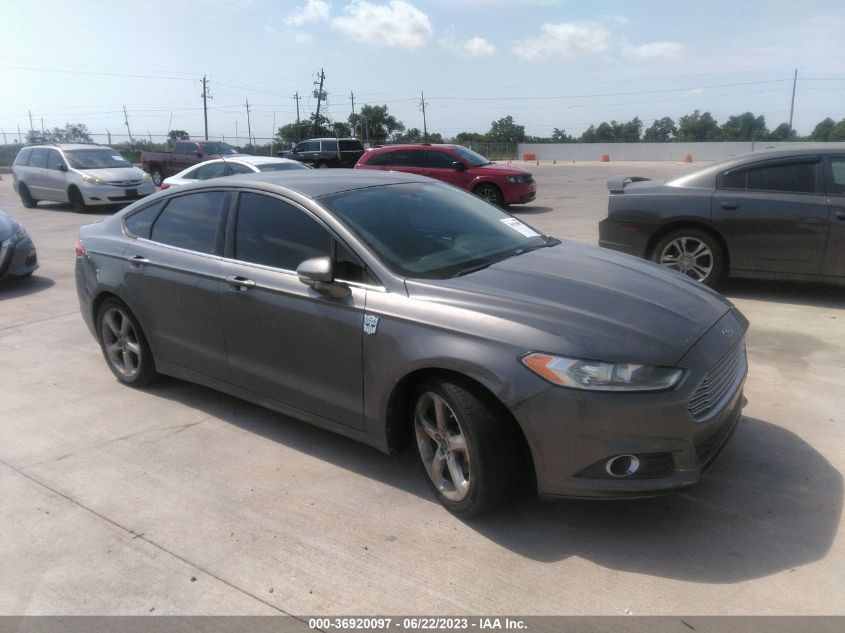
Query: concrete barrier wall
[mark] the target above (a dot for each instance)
(652, 151)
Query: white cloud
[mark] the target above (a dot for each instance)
(302, 38)
(620, 19)
(564, 40)
(396, 23)
(313, 11)
(477, 47)
(654, 50)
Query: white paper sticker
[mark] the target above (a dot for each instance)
(118, 158)
(518, 226)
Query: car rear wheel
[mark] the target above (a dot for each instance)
(77, 202)
(124, 346)
(157, 176)
(465, 447)
(694, 252)
(26, 198)
(491, 193)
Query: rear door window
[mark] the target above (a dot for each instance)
(140, 222)
(837, 169)
(213, 170)
(797, 177)
(38, 158)
(379, 160)
(439, 160)
(408, 158)
(192, 221)
(54, 160)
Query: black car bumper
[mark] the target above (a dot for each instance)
(17, 259)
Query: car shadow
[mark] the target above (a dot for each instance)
(23, 286)
(790, 292)
(771, 502)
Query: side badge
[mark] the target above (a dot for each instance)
(370, 324)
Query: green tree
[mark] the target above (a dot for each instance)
(178, 135)
(698, 127)
(661, 131)
(783, 133)
(589, 135)
(745, 127)
(505, 130)
(377, 121)
(466, 138)
(560, 136)
(823, 130)
(604, 132)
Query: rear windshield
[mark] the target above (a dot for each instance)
(346, 146)
(100, 158)
(281, 166)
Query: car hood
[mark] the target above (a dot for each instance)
(500, 170)
(586, 302)
(115, 173)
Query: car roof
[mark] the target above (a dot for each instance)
(415, 146)
(330, 138)
(69, 146)
(314, 183)
(246, 158)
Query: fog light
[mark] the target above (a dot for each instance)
(622, 465)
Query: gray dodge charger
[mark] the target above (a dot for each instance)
(398, 310)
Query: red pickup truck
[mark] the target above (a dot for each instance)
(160, 165)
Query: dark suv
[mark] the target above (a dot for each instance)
(326, 152)
(500, 184)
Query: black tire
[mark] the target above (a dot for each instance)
(491, 193)
(26, 198)
(157, 175)
(694, 252)
(77, 202)
(124, 345)
(489, 462)
(321, 166)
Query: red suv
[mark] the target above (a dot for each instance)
(457, 165)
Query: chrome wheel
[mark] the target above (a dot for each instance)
(442, 446)
(121, 342)
(489, 193)
(157, 176)
(689, 255)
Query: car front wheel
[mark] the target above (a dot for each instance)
(693, 252)
(124, 346)
(157, 176)
(465, 447)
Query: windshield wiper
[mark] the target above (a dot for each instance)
(550, 241)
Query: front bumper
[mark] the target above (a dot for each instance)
(514, 193)
(17, 259)
(96, 195)
(572, 434)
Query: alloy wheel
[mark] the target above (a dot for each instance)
(121, 343)
(690, 256)
(442, 446)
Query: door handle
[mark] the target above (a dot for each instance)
(241, 283)
(730, 206)
(138, 260)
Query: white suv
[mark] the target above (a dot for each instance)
(82, 175)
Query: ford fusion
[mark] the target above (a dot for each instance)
(398, 310)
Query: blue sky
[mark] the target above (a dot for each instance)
(549, 63)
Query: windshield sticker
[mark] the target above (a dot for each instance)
(519, 227)
(118, 158)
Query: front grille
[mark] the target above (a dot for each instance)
(720, 381)
(126, 183)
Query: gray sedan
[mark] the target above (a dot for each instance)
(17, 252)
(397, 310)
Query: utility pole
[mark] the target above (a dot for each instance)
(42, 126)
(422, 105)
(169, 122)
(4, 137)
(205, 97)
(30, 122)
(237, 140)
(352, 98)
(150, 136)
(319, 95)
(108, 134)
(19, 134)
(126, 118)
(249, 126)
(298, 124)
(273, 135)
(792, 106)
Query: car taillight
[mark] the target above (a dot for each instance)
(163, 186)
(80, 249)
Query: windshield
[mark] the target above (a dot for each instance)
(432, 230)
(100, 158)
(219, 148)
(281, 166)
(473, 158)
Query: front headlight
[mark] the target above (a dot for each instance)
(93, 179)
(147, 177)
(515, 179)
(598, 376)
(18, 233)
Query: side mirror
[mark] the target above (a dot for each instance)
(318, 273)
(459, 166)
(61, 167)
